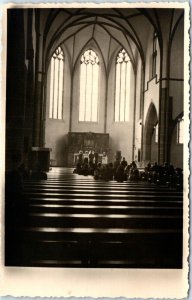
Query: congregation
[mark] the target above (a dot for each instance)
(121, 171)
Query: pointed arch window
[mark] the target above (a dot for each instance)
(154, 55)
(156, 132)
(122, 87)
(56, 84)
(89, 83)
(180, 130)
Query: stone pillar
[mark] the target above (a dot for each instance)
(163, 87)
(38, 83)
(29, 104)
(163, 126)
(16, 83)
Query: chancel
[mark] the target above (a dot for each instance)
(94, 137)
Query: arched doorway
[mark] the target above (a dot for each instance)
(150, 137)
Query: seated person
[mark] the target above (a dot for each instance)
(144, 174)
(134, 172)
(38, 174)
(104, 172)
(120, 175)
(178, 182)
(155, 168)
(149, 166)
(110, 171)
(86, 157)
(91, 168)
(97, 172)
(78, 169)
(107, 172)
(127, 169)
(85, 169)
(133, 165)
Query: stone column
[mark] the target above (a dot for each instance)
(29, 103)
(165, 18)
(16, 83)
(38, 83)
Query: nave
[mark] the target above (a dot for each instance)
(71, 220)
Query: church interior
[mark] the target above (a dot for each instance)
(94, 137)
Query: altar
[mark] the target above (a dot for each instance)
(85, 142)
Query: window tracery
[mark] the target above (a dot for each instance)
(89, 83)
(122, 87)
(56, 84)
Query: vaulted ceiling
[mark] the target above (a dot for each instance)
(108, 28)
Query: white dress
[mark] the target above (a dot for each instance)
(104, 160)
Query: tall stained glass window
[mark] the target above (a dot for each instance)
(89, 83)
(156, 133)
(180, 129)
(56, 85)
(122, 87)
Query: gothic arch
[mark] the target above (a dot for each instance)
(91, 43)
(150, 123)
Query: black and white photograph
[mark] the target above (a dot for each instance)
(97, 128)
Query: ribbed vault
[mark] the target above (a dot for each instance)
(110, 28)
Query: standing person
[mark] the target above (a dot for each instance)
(116, 164)
(124, 163)
(80, 157)
(96, 157)
(104, 159)
(91, 157)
